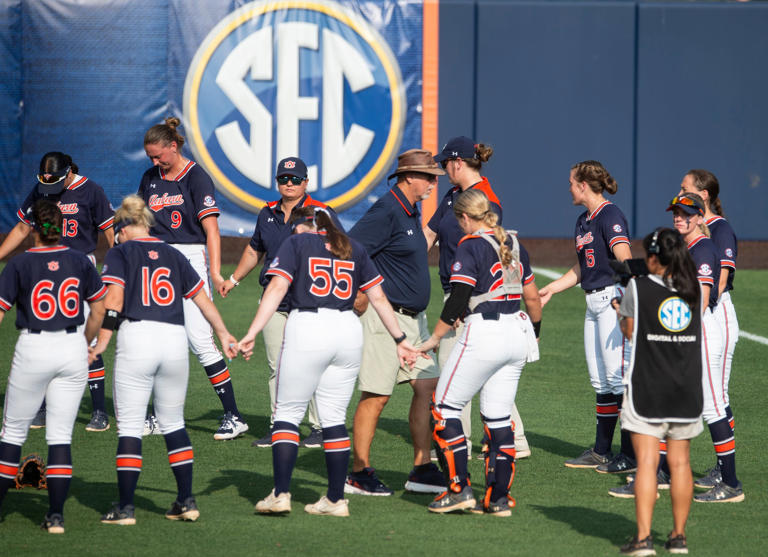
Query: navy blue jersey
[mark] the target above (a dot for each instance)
(478, 265)
(391, 233)
(85, 209)
(49, 284)
(155, 278)
(318, 278)
(180, 204)
(704, 254)
(727, 246)
(596, 236)
(445, 224)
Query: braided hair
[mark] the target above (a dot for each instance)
(47, 219)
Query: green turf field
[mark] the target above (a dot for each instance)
(559, 511)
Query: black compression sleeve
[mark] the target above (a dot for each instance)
(457, 302)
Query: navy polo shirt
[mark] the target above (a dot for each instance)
(391, 233)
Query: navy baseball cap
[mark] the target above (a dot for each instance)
(54, 184)
(689, 205)
(460, 147)
(292, 166)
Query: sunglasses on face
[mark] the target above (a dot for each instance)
(444, 163)
(295, 180)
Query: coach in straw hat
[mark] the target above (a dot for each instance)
(391, 233)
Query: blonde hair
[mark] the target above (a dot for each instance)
(596, 176)
(165, 133)
(476, 206)
(133, 210)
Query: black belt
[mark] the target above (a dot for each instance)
(595, 290)
(309, 310)
(69, 330)
(405, 311)
(490, 315)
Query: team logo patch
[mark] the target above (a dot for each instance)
(53, 265)
(152, 254)
(674, 314)
(209, 201)
(617, 228)
(729, 252)
(275, 262)
(289, 164)
(286, 78)
(705, 269)
(456, 267)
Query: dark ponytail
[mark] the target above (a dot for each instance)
(55, 162)
(705, 180)
(47, 218)
(321, 219)
(674, 255)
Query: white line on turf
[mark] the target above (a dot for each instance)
(744, 334)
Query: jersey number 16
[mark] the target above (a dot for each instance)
(155, 287)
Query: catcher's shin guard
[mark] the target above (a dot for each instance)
(499, 460)
(452, 453)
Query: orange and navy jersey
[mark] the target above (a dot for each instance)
(727, 246)
(596, 235)
(179, 205)
(477, 264)
(155, 278)
(444, 224)
(704, 254)
(49, 286)
(85, 210)
(319, 279)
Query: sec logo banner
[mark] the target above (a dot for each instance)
(674, 314)
(311, 79)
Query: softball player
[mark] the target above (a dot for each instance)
(705, 184)
(272, 228)
(86, 211)
(180, 195)
(601, 236)
(462, 161)
(688, 211)
(147, 281)
(322, 269)
(497, 340)
(49, 282)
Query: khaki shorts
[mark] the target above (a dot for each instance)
(662, 430)
(380, 368)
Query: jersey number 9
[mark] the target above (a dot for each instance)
(67, 299)
(320, 269)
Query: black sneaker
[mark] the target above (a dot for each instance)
(676, 545)
(54, 523)
(426, 478)
(231, 426)
(589, 459)
(183, 511)
(626, 491)
(39, 420)
(662, 479)
(638, 547)
(502, 507)
(99, 421)
(314, 440)
(120, 515)
(712, 477)
(721, 493)
(365, 482)
(264, 442)
(451, 501)
(620, 464)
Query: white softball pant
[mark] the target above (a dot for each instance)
(51, 366)
(198, 329)
(321, 356)
(151, 358)
(488, 357)
(725, 314)
(712, 376)
(606, 349)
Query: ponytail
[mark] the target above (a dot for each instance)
(680, 269)
(320, 218)
(47, 219)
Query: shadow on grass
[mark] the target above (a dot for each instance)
(253, 486)
(553, 445)
(100, 496)
(30, 503)
(590, 522)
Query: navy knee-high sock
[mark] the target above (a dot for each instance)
(453, 446)
(59, 475)
(725, 449)
(607, 410)
(336, 445)
(500, 462)
(285, 449)
(96, 384)
(218, 375)
(128, 467)
(10, 455)
(180, 457)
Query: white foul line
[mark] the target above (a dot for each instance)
(553, 275)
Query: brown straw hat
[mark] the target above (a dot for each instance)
(417, 160)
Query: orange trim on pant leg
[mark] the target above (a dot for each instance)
(98, 374)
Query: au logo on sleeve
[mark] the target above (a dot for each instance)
(284, 78)
(674, 314)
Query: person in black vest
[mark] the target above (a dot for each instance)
(663, 397)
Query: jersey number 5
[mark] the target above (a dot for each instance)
(590, 256)
(320, 269)
(66, 300)
(155, 287)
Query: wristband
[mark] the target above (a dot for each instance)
(400, 339)
(536, 327)
(110, 320)
(233, 281)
